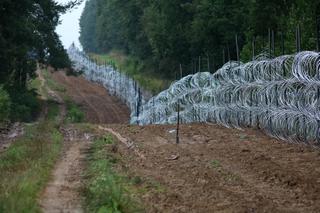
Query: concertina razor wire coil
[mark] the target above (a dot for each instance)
(280, 96)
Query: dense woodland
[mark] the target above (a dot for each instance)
(27, 37)
(166, 33)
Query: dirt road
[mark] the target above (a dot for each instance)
(99, 106)
(63, 192)
(215, 169)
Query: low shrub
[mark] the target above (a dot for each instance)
(74, 114)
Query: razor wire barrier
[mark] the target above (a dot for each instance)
(117, 83)
(280, 96)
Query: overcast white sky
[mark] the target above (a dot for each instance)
(69, 27)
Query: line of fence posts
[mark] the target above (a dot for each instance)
(271, 38)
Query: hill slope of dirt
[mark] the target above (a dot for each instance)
(98, 104)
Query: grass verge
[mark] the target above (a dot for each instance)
(74, 113)
(105, 190)
(51, 83)
(25, 167)
(142, 73)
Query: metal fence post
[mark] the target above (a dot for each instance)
(178, 125)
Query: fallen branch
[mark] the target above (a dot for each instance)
(125, 141)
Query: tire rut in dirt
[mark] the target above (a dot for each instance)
(63, 194)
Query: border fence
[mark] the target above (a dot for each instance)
(117, 83)
(280, 96)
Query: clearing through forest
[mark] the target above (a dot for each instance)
(213, 169)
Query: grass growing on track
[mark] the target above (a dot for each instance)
(105, 190)
(26, 166)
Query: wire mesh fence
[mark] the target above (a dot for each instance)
(280, 96)
(117, 83)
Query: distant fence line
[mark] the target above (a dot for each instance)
(280, 96)
(117, 83)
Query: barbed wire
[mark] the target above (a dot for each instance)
(280, 96)
(117, 83)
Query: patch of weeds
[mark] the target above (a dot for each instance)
(86, 127)
(243, 137)
(53, 110)
(158, 187)
(34, 84)
(231, 177)
(215, 164)
(150, 185)
(105, 190)
(74, 113)
(51, 83)
(25, 167)
(226, 175)
(108, 139)
(137, 180)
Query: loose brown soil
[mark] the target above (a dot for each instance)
(215, 169)
(98, 104)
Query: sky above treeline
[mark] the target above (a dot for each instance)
(69, 27)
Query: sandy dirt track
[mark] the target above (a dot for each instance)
(63, 194)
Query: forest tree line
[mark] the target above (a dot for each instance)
(166, 33)
(27, 37)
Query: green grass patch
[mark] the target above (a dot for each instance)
(139, 71)
(26, 166)
(53, 110)
(106, 191)
(34, 84)
(74, 113)
(215, 164)
(51, 83)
